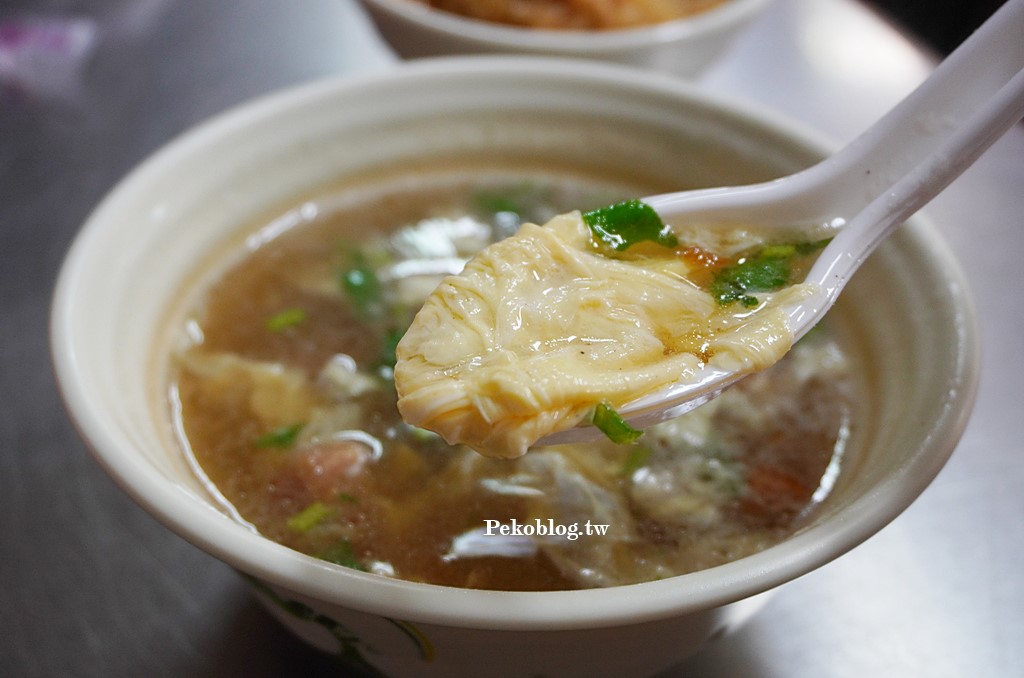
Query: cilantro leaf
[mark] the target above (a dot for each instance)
(767, 269)
(624, 224)
(755, 274)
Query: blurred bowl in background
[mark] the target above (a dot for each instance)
(683, 47)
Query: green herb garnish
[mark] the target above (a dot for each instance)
(813, 332)
(754, 274)
(289, 317)
(493, 203)
(521, 199)
(387, 356)
(768, 269)
(362, 286)
(280, 437)
(341, 553)
(636, 460)
(806, 248)
(625, 224)
(309, 517)
(421, 435)
(609, 422)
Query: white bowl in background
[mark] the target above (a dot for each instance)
(144, 256)
(682, 46)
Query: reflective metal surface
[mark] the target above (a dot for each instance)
(92, 586)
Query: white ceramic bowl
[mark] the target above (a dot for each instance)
(683, 47)
(144, 255)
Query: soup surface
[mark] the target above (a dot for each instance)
(286, 399)
(575, 14)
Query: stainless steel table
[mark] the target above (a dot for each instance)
(92, 586)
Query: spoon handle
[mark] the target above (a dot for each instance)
(966, 103)
(925, 142)
(929, 138)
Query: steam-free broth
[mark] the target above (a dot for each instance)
(287, 403)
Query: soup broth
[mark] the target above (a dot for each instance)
(287, 402)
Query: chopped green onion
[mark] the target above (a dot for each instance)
(625, 224)
(346, 497)
(280, 437)
(421, 435)
(636, 460)
(341, 553)
(289, 317)
(362, 286)
(609, 422)
(777, 252)
(309, 517)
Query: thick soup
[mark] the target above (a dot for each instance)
(287, 402)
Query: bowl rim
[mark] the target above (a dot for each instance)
(212, 531)
(562, 41)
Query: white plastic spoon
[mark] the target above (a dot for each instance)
(868, 188)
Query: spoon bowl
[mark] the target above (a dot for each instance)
(862, 192)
